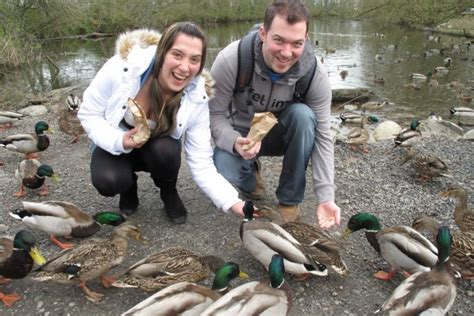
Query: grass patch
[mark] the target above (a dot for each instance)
(463, 25)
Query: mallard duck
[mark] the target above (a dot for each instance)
(16, 260)
(463, 216)
(59, 218)
(379, 80)
(433, 117)
(373, 105)
(441, 70)
(68, 121)
(330, 50)
(32, 175)
(462, 254)
(410, 136)
(464, 97)
(264, 239)
(433, 38)
(28, 144)
(90, 259)
(257, 298)
(343, 74)
(7, 118)
(186, 298)
(427, 165)
(167, 267)
(462, 115)
(461, 111)
(429, 292)
(433, 82)
(402, 247)
(358, 137)
(412, 85)
(351, 117)
(421, 77)
(447, 61)
(456, 85)
(325, 248)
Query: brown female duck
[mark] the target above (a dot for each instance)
(166, 267)
(463, 216)
(90, 259)
(68, 121)
(462, 250)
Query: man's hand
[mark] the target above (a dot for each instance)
(254, 147)
(328, 214)
(128, 141)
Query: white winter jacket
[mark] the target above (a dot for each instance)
(105, 104)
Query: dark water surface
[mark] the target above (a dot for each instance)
(356, 46)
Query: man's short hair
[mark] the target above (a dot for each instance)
(293, 10)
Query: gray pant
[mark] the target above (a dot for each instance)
(292, 138)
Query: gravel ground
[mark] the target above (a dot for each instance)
(374, 183)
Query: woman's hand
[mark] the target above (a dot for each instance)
(247, 154)
(128, 141)
(238, 208)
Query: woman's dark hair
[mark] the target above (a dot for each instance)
(293, 10)
(165, 110)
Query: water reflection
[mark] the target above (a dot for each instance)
(355, 44)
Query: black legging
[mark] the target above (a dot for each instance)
(160, 156)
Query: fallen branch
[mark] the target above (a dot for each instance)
(93, 35)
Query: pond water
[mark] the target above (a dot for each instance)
(400, 52)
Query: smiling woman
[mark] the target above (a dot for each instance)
(163, 76)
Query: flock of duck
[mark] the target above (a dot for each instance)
(295, 248)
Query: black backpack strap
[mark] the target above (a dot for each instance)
(303, 84)
(245, 61)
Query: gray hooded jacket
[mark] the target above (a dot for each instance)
(231, 114)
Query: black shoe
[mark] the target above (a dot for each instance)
(174, 207)
(128, 203)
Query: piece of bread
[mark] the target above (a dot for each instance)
(140, 121)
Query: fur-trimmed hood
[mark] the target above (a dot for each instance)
(141, 37)
(209, 83)
(144, 38)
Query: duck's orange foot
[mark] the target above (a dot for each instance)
(60, 244)
(353, 148)
(91, 295)
(385, 276)
(75, 139)
(423, 179)
(9, 299)
(20, 193)
(107, 281)
(4, 280)
(301, 277)
(32, 156)
(6, 126)
(44, 191)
